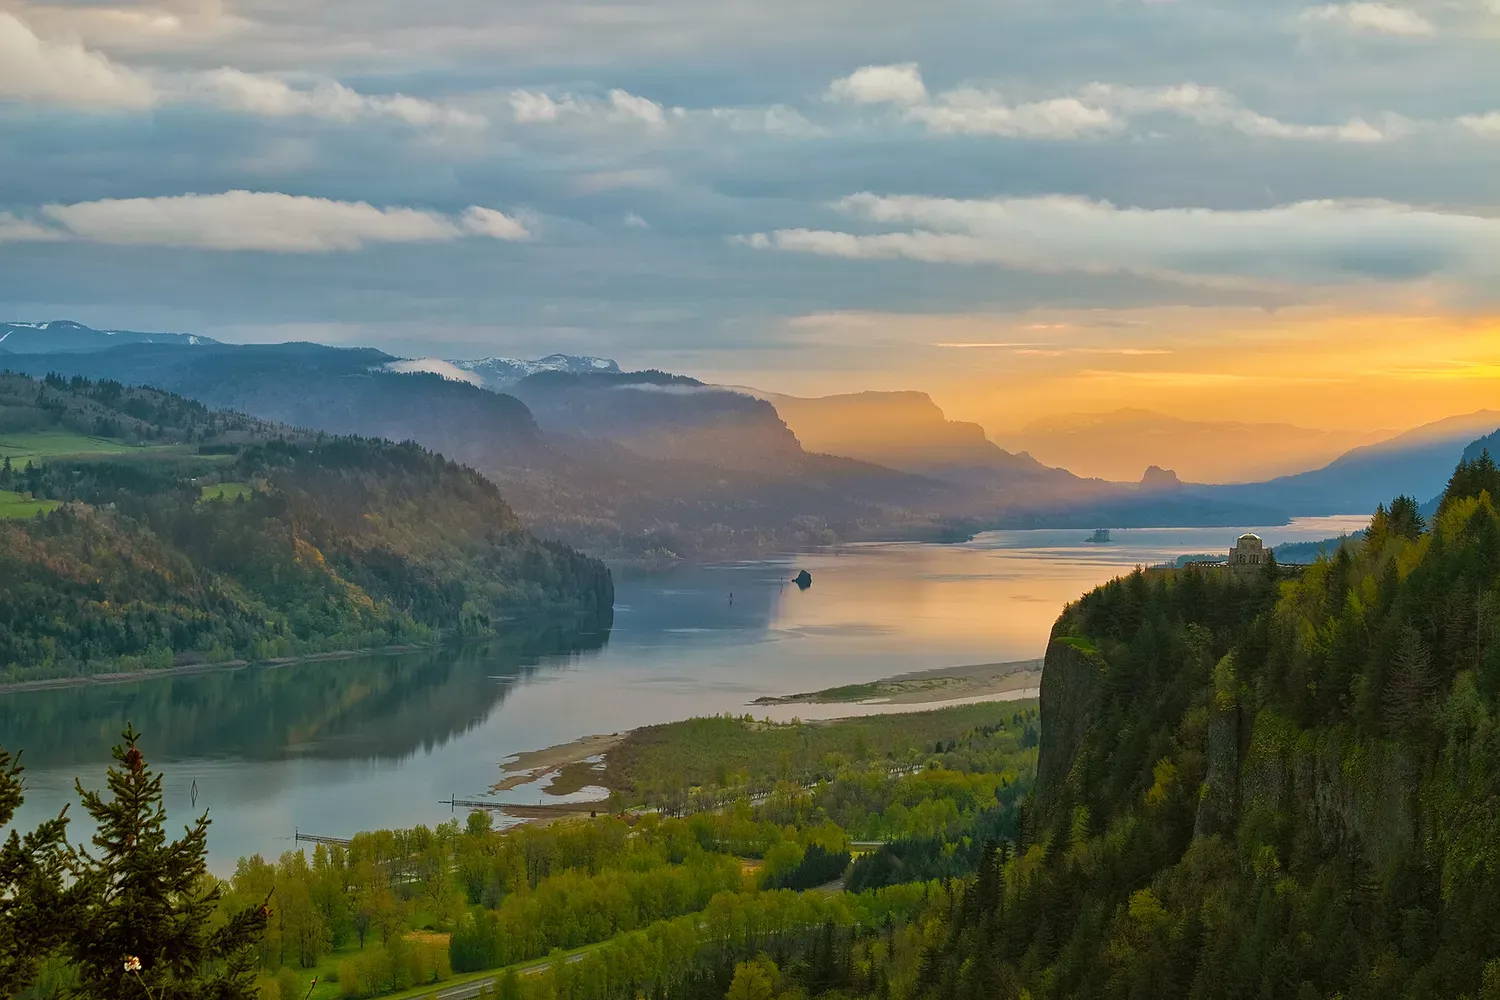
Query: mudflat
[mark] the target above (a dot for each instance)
(524, 768)
(924, 686)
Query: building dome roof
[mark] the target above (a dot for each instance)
(1249, 536)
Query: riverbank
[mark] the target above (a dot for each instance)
(925, 687)
(188, 669)
(619, 767)
(533, 765)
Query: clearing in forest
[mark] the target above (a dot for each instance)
(14, 505)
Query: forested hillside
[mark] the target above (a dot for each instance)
(642, 465)
(573, 480)
(147, 530)
(1264, 786)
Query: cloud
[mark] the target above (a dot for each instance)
(1302, 243)
(14, 230)
(986, 344)
(496, 225)
(634, 221)
(1487, 125)
(272, 97)
(618, 106)
(1094, 110)
(1216, 107)
(530, 106)
(983, 112)
(629, 107)
(1369, 18)
(435, 366)
(900, 84)
(253, 220)
(778, 119)
(171, 25)
(64, 73)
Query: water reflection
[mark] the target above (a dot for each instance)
(346, 745)
(382, 707)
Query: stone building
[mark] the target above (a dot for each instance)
(1249, 550)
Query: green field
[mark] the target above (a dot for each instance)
(14, 505)
(228, 491)
(19, 447)
(702, 751)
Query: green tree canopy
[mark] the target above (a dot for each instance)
(149, 901)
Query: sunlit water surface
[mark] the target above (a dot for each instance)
(377, 741)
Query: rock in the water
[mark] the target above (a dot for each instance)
(803, 579)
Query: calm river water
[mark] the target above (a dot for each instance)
(341, 746)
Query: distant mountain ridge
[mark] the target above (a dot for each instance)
(903, 430)
(67, 337)
(499, 373)
(1417, 462)
(908, 431)
(707, 489)
(1118, 444)
(663, 416)
(652, 464)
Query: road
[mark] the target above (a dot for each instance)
(470, 990)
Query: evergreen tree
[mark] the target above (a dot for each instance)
(1470, 479)
(1406, 516)
(36, 906)
(1410, 686)
(147, 930)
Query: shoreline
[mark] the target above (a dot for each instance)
(924, 687)
(188, 669)
(533, 765)
(590, 753)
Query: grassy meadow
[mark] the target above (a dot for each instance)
(14, 505)
(38, 445)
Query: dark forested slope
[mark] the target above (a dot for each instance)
(1264, 785)
(181, 533)
(709, 480)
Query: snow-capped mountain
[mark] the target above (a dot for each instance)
(499, 373)
(496, 373)
(61, 336)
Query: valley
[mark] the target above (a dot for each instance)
(648, 467)
(854, 756)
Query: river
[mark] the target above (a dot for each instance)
(339, 746)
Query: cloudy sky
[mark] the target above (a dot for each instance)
(1232, 208)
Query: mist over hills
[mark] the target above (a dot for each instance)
(664, 417)
(588, 490)
(907, 431)
(500, 373)
(1120, 443)
(655, 464)
(1417, 462)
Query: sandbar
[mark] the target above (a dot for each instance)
(920, 687)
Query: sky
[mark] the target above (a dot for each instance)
(1220, 209)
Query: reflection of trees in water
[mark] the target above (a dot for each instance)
(384, 706)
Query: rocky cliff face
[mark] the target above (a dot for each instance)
(1351, 792)
(1071, 690)
(1219, 799)
(1339, 789)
